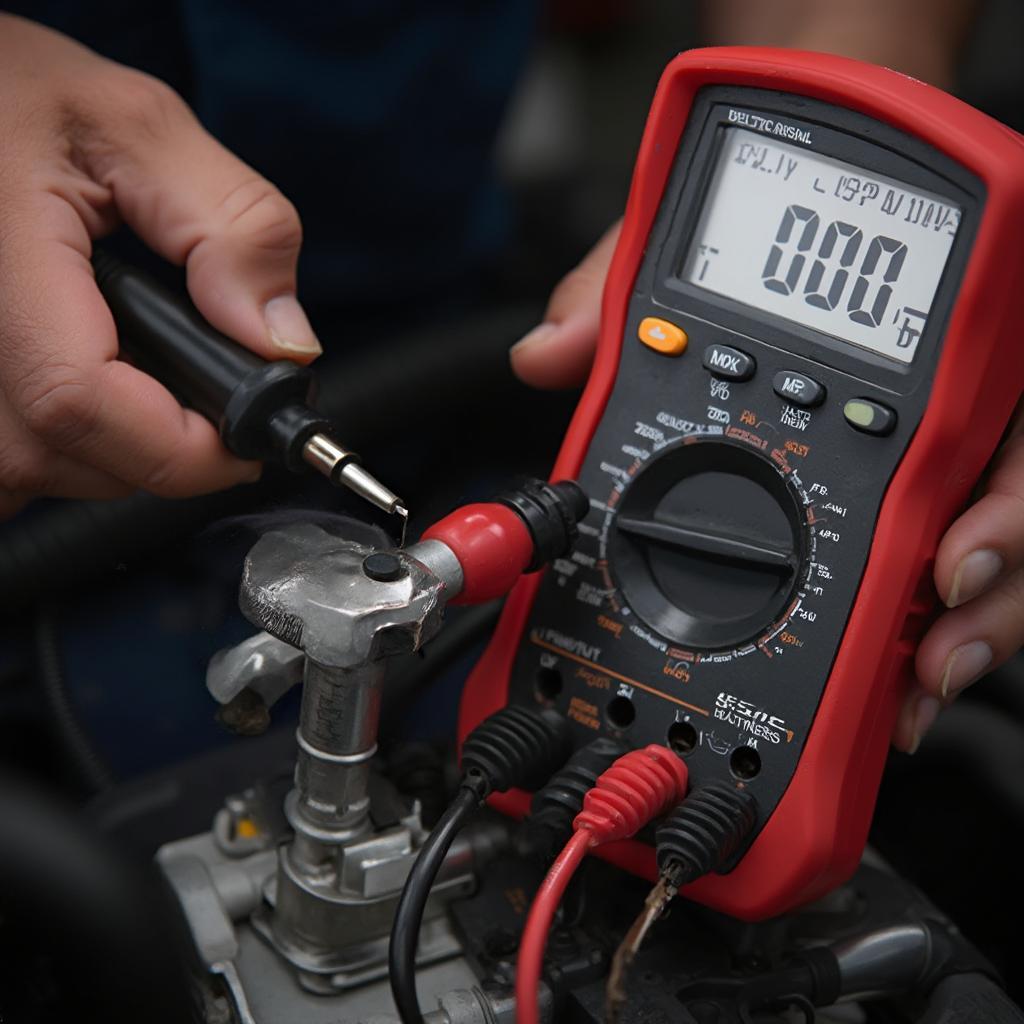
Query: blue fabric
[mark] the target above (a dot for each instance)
(376, 118)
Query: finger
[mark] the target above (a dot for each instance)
(60, 375)
(198, 205)
(970, 640)
(986, 543)
(28, 468)
(916, 717)
(558, 352)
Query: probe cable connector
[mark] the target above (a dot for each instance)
(701, 835)
(514, 747)
(639, 786)
(553, 809)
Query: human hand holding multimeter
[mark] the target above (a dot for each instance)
(808, 355)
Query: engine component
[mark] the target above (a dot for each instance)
(334, 610)
(346, 607)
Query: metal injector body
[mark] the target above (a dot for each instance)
(334, 610)
(347, 608)
(262, 410)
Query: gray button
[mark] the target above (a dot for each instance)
(798, 388)
(729, 363)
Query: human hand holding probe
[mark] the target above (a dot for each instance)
(91, 144)
(261, 409)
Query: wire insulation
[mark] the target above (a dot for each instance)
(639, 786)
(513, 747)
(700, 835)
(539, 921)
(409, 914)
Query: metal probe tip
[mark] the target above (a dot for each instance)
(401, 510)
(326, 456)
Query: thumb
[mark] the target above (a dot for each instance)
(558, 352)
(196, 204)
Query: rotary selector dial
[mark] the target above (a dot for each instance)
(709, 544)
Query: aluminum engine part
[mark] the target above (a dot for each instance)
(220, 887)
(474, 1006)
(338, 609)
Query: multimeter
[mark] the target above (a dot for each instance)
(810, 348)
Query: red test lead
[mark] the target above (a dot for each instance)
(640, 786)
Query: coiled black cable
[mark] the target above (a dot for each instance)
(513, 747)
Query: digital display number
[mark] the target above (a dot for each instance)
(819, 241)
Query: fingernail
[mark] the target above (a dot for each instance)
(925, 713)
(288, 326)
(974, 573)
(540, 334)
(254, 475)
(963, 666)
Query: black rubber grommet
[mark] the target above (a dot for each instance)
(383, 567)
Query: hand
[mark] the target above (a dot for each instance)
(88, 143)
(979, 567)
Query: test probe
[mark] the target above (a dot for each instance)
(262, 410)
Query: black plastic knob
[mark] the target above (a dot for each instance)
(708, 544)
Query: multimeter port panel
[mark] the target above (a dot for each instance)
(732, 509)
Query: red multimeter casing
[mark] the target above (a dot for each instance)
(817, 690)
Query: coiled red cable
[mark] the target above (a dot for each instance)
(639, 786)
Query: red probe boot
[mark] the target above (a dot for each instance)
(519, 531)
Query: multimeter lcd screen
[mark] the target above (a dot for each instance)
(829, 245)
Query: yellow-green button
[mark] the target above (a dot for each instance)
(869, 417)
(662, 336)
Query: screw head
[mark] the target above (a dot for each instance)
(383, 567)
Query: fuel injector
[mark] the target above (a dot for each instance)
(492, 543)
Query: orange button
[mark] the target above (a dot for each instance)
(662, 336)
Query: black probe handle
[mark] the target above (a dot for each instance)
(261, 409)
